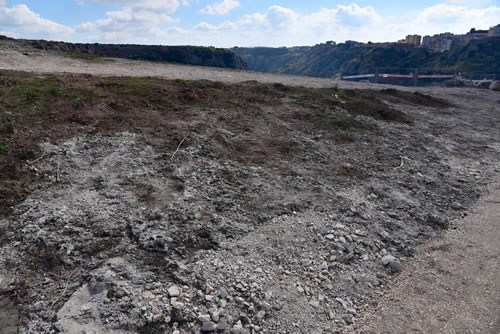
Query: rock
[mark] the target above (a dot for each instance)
(348, 320)
(209, 326)
(215, 314)
(260, 315)
(330, 236)
(396, 267)
(174, 291)
(495, 85)
(266, 306)
(314, 303)
(178, 305)
(456, 206)
(237, 328)
(393, 263)
(388, 259)
(204, 318)
(222, 325)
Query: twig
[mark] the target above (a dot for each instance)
(32, 162)
(338, 98)
(65, 287)
(178, 147)
(402, 161)
(57, 172)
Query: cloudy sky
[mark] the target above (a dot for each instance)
(227, 23)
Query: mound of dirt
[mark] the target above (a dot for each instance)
(170, 206)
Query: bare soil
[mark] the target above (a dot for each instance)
(268, 202)
(452, 286)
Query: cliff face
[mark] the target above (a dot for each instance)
(191, 55)
(330, 59)
(270, 59)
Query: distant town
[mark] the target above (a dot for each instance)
(444, 42)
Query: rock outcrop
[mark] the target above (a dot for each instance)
(190, 55)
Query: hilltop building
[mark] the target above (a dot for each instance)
(444, 42)
(439, 43)
(412, 39)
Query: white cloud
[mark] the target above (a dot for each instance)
(458, 18)
(3, 3)
(131, 23)
(151, 22)
(20, 20)
(204, 26)
(279, 26)
(220, 8)
(169, 6)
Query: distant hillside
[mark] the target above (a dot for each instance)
(191, 55)
(270, 59)
(330, 59)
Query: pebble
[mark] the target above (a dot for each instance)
(396, 267)
(266, 306)
(209, 326)
(222, 325)
(174, 291)
(314, 303)
(388, 259)
(215, 314)
(237, 328)
(260, 315)
(204, 318)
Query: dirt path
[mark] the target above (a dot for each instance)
(453, 286)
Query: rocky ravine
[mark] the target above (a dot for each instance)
(257, 220)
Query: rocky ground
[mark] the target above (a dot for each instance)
(143, 205)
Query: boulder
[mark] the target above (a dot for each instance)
(495, 85)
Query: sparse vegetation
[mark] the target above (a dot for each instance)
(108, 104)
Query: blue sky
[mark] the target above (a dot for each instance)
(227, 23)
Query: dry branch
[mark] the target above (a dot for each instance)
(34, 161)
(403, 158)
(65, 287)
(178, 147)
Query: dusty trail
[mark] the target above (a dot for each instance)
(453, 286)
